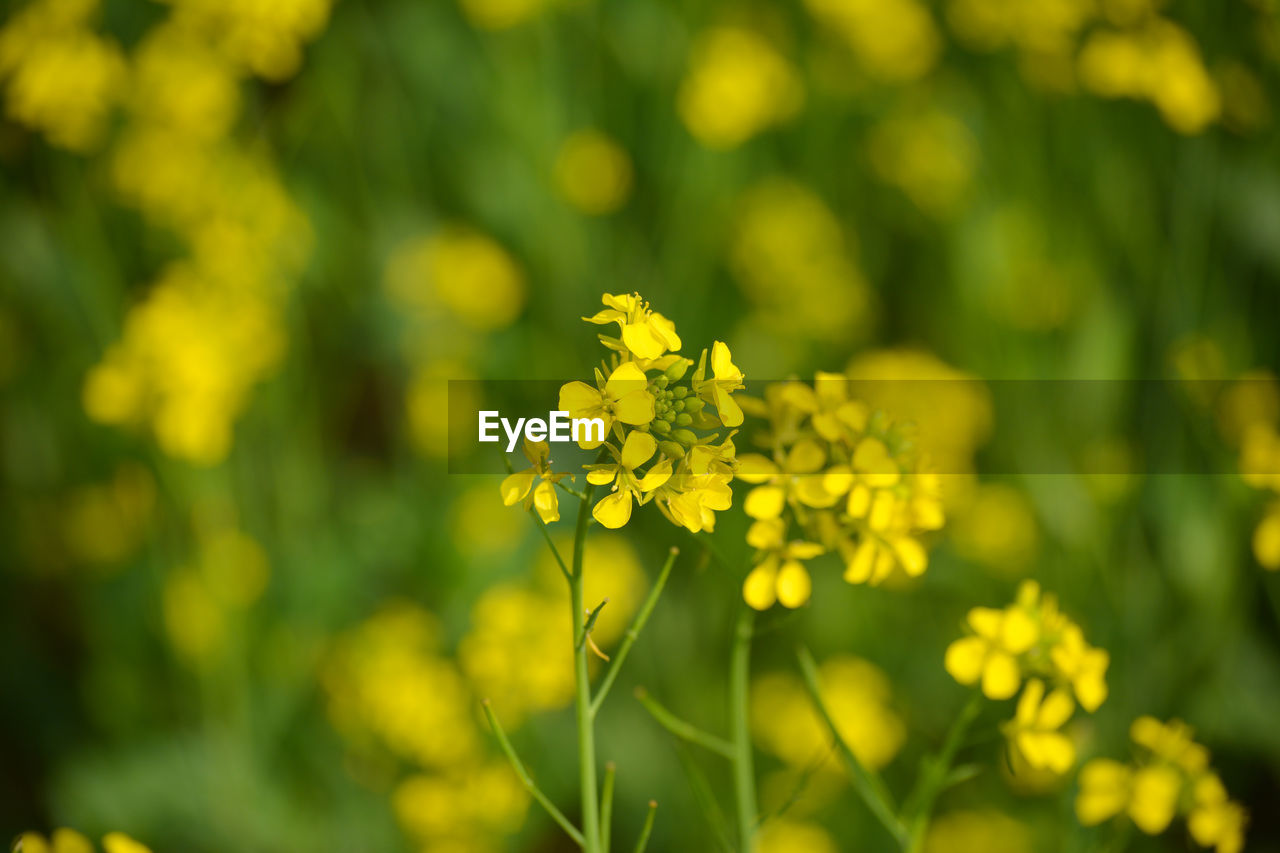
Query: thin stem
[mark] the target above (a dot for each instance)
(526, 779)
(705, 798)
(582, 688)
(606, 805)
(555, 552)
(868, 785)
(936, 775)
(744, 781)
(681, 729)
(633, 632)
(647, 828)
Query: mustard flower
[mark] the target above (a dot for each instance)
(1084, 666)
(991, 654)
(614, 510)
(645, 334)
(517, 487)
(623, 397)
(1034, 731)
(726, 378)
(1169, 776)
(779, 574)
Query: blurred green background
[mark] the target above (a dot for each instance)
(243, 246)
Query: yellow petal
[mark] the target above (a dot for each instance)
(608, 315)
(517, 485)
(964, 659)
(882, 506)
(580, 400)
(602, 476)
(755, 468)
(31, 842)
(794, 584)
(1018, 632)
(986, 622)
(766, 533)
(537, 452)
(871, 459)
(912, 556)
(806, 457)
(804, 550)
(624, 379)
(1266, 541)
(1056, 710)
(859, 501)
(759, 590)
(665, 330)
(729, 410)
(1104, 791)
(863, 561)
(546, 502)
(642, 341)
(1091, 690)
(656, 476)
(1000, 676)
(722, 366)
(1155, 798)
(638, 449)
(614, 511)
(118, 842)
(69, 841)
(764, 502)
(636, 408)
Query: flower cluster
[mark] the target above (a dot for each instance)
(661, 423)
(1032, 643)
(1169, 776)
(843, 477)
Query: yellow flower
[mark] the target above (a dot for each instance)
(1266, 539)
(645, 334)
(972, 831)
(460, 271)
(1034, 731)
(779, 575)
(1105, 789)
(543, 498)
(1171, 742)
(1215, 821)
(726, 378)
(614, 511)
(991, 655)
(895, 40)
(1084, 666)
(737, 86)
(118, 842)
(796, 474)
(785, 835)
(622, 397)
(1155, 797)
(593, 173)
(69, 841)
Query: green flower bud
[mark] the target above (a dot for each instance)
(660, 427)
(693, 405)
(671, 450)
(661, 381)
(675, 371)
(677, 406)
(684, 436)
(683, 420)
(680, 392)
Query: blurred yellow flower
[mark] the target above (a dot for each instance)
(997, 527)
(1266, 539)
(858, 696)
(1160, 63)
(266, 38)
(894, 40)
(501, 14)
(105, 523)
(593, 172)
(1034, 730)
(69, 841)
(470, 806)
(971, 831)
(991, 654)
(931, 156)
(796, 263)
(737, 86)
(785, 835)
(460, 272)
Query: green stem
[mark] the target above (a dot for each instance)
(744, 781)
(606, 805)
(526, 779)
(647, 828)
(582, 691)
(681, 729)
(868, 785)
(633, 632)
(936, 774)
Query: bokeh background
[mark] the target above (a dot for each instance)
(243, 247)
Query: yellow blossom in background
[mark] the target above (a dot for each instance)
(786, 835)
(997, 527)
(796, 263)
(858, 696)
(181, 83)
(1034, 731)
(267, 38)
(461, 273)
(515, 653)
(971, 831)
(991, 654)
(1170, 776)
(1044, 33)
(737, 86)
(1266, 539)
(69, 841)
(1160, 63)
(593, 172)
(501, 14)
(931, 156)
(201, 601)
(471, 806)
(388, 683)
(895, 41)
